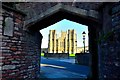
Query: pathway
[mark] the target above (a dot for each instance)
(54, 69)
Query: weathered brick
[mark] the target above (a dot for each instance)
(1, 57)
(16, 28)
(1, 22)
(1, 63)
(13, 48)
(5, 75)
(0, 30)
(18, 20)
(14, 41)
(6, 40)
(12, 76)
(5, 67)
(0, 67)
(15, 62)
(6, 51)
(13, 73)
(0, 26)
(18, 52)
(6, 62)
(5, 48)
(1, 18)
(5, 37)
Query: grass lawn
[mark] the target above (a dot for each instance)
(42, 54)
(70, 55)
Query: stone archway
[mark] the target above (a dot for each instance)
(86, 17)
(20, 40)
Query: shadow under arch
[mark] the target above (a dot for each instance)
(86, 17)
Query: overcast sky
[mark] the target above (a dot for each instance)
(64, 25)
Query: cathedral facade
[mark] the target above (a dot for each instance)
(66, 42)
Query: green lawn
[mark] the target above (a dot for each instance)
(70, 55)
(42, 54)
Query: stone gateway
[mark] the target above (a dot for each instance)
(20, 39)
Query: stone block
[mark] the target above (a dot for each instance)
(6, 62)
(1, 18)
(5, 67)
(0, 68)
(12, 73)
(1, 64)
(16, 28)
(0, 26)
(13, 49)
(0, 30)
(93, 13)
(1, 22)
(15, 62)
(8, 29)
(7, 51)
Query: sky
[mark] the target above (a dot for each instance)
(64, 25)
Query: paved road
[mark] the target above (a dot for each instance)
(57, 69)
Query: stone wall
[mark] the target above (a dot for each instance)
(83, 59)
(109, 49)
(32, 51)
(1, 18)
(20, 48)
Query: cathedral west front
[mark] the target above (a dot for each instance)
(66, 42)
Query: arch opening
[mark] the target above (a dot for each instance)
(93, 27)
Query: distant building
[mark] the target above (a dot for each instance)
(65, 43)
(81, 49)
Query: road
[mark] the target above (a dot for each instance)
(54, 69)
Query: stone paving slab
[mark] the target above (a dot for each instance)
(68, 66)
(61, 69)
(50, 72)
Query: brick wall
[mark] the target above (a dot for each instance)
(32, 48)
(20, 52)
(1, 18)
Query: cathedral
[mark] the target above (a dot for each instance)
(66, 42)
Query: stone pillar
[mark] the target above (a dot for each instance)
(74, 42)
(50, 42)
(69, 40)
(66, 45)
(56, 45)
(54, 42)
(59, 50)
